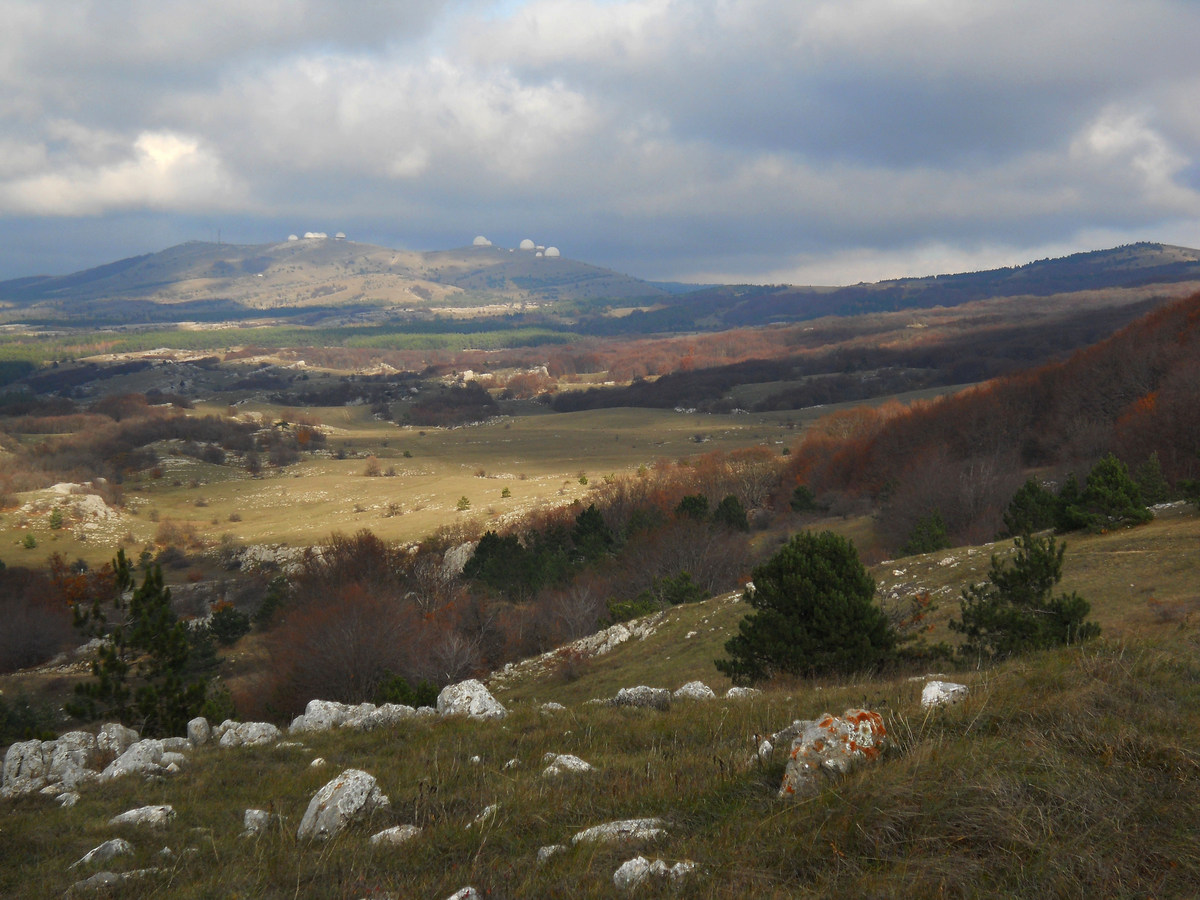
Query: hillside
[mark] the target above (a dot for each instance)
(211, 282)
(1058, 775)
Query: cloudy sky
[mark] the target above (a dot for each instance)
(804, 141)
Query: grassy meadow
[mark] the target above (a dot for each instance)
(1063, 773)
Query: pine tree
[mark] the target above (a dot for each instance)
(1033, 508)
(141, 673)
(1013, 612)
(814, 614)
(928, 535)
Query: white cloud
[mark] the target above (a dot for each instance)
(162, 170)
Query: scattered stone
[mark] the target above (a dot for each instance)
(351, 796)
(105, 852)
(317, 763)
(942, 693)
(513, 763)
(141, 758)
(695, 690)
(67, 800)
(552, 707)
(489, 812)
(150, 816)
(741, 693)
(643, 696)
(249, 734)
(199, 732)
(831, 746)
(176, 745)
(475, 760)
(172, 759)
(544, 853)
(467, 893)
(255, 822)
(108, 881)
(564, 764)
(634, 871)
(469, 698)
(625, 831)
(396, 835)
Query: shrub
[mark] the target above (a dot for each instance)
(731, 514)
(1012, 613)
(693, 506)
(396, 689)
(1033, 508)
(814, 614)
(803, 499)
(464, 503)
(228, 624)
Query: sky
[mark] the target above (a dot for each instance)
(767, 141)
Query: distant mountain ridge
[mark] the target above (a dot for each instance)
(316, 279)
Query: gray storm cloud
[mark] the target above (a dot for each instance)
(709, 139)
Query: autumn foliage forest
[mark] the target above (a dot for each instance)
(650, 538)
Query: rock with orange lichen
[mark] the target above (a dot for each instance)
(830, 747)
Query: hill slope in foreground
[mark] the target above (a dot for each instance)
(1062, 774)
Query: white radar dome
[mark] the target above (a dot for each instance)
(527, 244)
(552, 252)
(481, 241)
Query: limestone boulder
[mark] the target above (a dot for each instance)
(255, 822)
(398, 834)
(352, 796)
(199, 732)
(942, 693)
(114, 739)
(634, 872)
(741, 693)
(469, 698)
(141, 758)
(564, 764)
(105, 852)
(624, 831)
(72, 760)
(145, 816)
(25, 769)
(695, 690)
(830, 747)
(643, 696)
(321, 715)
(250, 734)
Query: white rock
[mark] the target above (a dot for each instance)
(317, 763)
(321, 715)
(176, 745)
(105, 852)
(67, 800)
(651, 697)
(566, 763)
(25, 768)
(634, 871)
(741, 693)
(250, 734)
(513, 763)
(150, 816)
(831, 746)
(385, 716)
(552, 707)
(172, 759)
(942, 693)
(695, 690)
(255, 821)
(624, 831)
(489, 812)
(351, 796)
(398, 834)
(475, 760)
(469, 698)
(115, 738)
(142, 758)
(199, 732)
(467, 893)
(544, 853)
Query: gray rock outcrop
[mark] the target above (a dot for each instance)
(564, 764)
(694, 690)
(398, 834)
(249, 734)
(469, 698)
(145, 816)
(634, 872)
(141, 758)
(351, 796)
(105, 852)
(942, 693)
(829, 747)
(643, 696)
